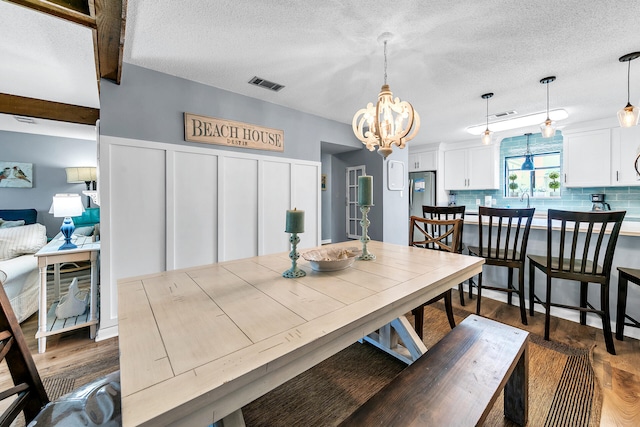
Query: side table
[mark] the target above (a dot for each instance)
(48, 324)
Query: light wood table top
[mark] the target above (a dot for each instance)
(203, 342)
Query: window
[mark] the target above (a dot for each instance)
(543, 181)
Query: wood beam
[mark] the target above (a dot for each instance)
(21, 106)
(69, 10)
(109, 40)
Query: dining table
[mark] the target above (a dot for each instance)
(197, 344)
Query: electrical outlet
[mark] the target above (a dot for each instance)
(477, 202)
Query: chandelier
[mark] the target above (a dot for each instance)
(389, 121)
(548, 127)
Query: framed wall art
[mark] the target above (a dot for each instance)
(16, 174)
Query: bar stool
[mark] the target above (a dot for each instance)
(505, 246)
(434, 234)
(625, 275)
(577, 252)
(448, 213)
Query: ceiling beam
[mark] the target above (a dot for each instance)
(109, 40)
(21, 106)
(74, 11)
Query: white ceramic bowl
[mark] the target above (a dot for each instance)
(331, 259)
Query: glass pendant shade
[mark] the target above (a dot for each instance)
(628, 116)
(548, 128)
(486, 137)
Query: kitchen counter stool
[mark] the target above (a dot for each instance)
(625, 275)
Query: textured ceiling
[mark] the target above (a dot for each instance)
(444, 55)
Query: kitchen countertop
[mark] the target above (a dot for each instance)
(630, 225)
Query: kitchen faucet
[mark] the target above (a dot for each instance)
(524, 193)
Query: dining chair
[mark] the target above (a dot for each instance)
(435, 235)
(580, 247)
(98, 401)
(447, 213)
(503, 244)
(625, 275)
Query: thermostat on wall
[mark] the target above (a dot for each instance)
(395, 175)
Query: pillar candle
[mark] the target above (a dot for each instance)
(365, 190)
(295, 221)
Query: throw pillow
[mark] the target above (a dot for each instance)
(8, 224)
(27, 239)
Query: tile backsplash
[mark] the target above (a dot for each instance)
(579, 199)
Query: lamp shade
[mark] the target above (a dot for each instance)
(81, 174)
(66, 205)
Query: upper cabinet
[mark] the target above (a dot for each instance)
(601, 158)
(471, 168)
(587, 159)
(625, 147)
(425, 161)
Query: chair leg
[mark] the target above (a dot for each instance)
(461, 292)
(471, 288)
(532, 287)
(449, 308)
(547, 310)
(479, 293)
(523, 310)
(584, 291)
(623, 284)
(606, 318)
(418, 314)
(510, 285)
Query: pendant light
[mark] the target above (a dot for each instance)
(389, 121)
(527, 165)
(628, 116)
(486, 136)
(548, 128)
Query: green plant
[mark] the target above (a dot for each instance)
(513, 185)
(554, 185)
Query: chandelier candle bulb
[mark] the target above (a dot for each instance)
(295, 221)
(365, 190)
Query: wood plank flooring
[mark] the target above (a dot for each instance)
(75, 354)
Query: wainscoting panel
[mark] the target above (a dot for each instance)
(194, 210)
(238, 208)
(166, 207)
(274, 200)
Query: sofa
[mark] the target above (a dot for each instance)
(20, 237)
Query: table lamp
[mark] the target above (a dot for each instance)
(66, 206)
(86, 174)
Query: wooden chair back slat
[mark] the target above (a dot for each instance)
(436, 234)
(585, 243)
(445, 213)
(507, 233)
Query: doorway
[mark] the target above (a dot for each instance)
(354, 230)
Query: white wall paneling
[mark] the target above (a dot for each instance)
(167, 206)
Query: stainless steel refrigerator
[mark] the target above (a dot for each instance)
(422, 191)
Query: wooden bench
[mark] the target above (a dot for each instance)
(457, 381)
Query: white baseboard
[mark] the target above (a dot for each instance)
(325, 242)
(562, 313)
(106, 333)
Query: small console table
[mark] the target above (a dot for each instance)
(48, 323)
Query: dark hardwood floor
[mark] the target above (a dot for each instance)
(619, 375)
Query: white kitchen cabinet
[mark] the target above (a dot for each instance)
(425, 161)
(471, 169)
(625, 147)
(587, 159)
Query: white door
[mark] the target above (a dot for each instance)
(354, 229)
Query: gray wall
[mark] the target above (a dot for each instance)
(149, 105)
(49, 155)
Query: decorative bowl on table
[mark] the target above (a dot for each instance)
(331, 259)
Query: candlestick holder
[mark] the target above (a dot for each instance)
(364, 222)
(294, 271)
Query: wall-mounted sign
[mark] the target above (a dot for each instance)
(210, 130)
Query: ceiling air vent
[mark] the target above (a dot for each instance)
(266, 84)
(26, 120)
(502, 115)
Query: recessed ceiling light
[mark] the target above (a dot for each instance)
(519, 122)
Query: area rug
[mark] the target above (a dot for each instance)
(563, 389)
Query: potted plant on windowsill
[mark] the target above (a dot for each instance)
(513, 185)
(554, 184)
